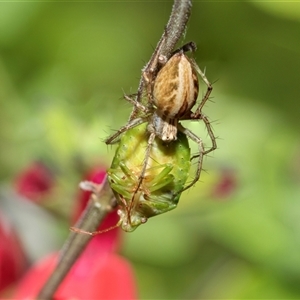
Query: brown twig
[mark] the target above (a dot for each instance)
(102, 200)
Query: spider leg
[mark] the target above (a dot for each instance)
(137, 105)
(198, 113)
(148, 77)
(144, 168)
(190, 46)
(199, 141)
(204, 118)
(114, 138)
(208, 126)
(211, 135)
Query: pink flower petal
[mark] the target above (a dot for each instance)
(12, 257)
(108, 277)
(34, 182)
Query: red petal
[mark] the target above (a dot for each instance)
(96, 175)
(12, 258)
(108, 277)
(35, 181)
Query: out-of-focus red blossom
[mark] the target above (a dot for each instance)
(102, 276)
(92, 277)
(226, 185)
(96, 175)
(35, 181)
(12, 257)
(99, 273)
(107, 240)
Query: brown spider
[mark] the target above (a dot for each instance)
(172, 93)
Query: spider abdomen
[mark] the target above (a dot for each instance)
(176, 87)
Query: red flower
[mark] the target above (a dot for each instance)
(99, 273)
(12, 258)
(96, 175)
(226, 185)
(102, 276)
(34, 182)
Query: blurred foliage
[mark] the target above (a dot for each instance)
(62, 70)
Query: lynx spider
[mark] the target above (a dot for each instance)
(165, 124)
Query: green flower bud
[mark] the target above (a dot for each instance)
(165, 176)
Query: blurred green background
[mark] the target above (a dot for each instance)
(236, 235)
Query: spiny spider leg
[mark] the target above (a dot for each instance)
(210, 133)
(148, 77)
(197, 113)
(114, 138)
(143, 171)
(199, 141)
(137, 105)
(188, 47)
(132, 123)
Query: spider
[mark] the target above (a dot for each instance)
(172, 93)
